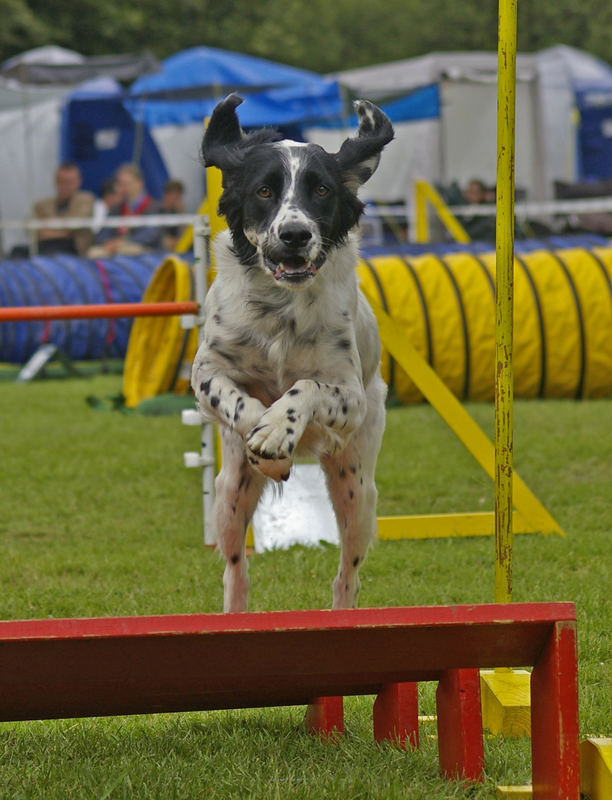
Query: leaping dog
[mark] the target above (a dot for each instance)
(289, 364)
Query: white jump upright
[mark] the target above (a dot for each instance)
(206, 457)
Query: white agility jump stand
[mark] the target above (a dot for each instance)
(206, 457)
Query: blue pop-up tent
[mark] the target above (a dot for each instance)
(190, 83)
(99, 134)
(591, 80)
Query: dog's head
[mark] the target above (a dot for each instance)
(288, 204)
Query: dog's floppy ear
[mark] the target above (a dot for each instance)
(223, 133)
(359, 156)
(225, 143)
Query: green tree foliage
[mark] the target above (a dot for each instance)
(20, 28)
(321, 35)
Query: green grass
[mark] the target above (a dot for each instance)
(99, 517)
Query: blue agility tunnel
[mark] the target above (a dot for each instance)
(70, 280)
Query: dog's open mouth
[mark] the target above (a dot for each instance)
(293, 270)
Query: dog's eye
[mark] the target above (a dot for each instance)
(321, 190)
(264, 192)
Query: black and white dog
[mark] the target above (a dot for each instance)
(290, 358)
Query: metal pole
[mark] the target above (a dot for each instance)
(504, 378)
(96, 311)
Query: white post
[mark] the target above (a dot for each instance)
(206, 457)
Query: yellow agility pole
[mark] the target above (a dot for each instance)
(504, 299)
(505, 692)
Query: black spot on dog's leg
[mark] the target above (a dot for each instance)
(235, 558)
(205, 386)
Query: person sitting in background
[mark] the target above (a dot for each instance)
(134, 201)
(172, 203)
(478, 228)
(69, 201)
(109, 197)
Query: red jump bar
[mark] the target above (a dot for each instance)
(97, 311)
(133, 665)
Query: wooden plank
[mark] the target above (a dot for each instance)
(83, 667)
(596, 768)
(395, 715)
(506, 702)
(128, 665)
(438, 526)
(554, 717)
(325, 717)
(460, 725)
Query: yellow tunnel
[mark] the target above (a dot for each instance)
(562, 323)
(562, 320)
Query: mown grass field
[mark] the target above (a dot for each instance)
(99, 517)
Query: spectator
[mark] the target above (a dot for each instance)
(133, 201)
(68, 202)
(477, 227)
(109, 197)
(172, 203)
(477, 192)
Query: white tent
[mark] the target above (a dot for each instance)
(33, 88)
(29, 130)
(458, 141)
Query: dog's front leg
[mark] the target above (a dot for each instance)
(338, 409)
(221, 400)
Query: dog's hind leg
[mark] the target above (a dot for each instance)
(350, 481)
(238, 488)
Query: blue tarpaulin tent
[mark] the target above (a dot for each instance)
(99, 134)
(591, 80)
(190, 83)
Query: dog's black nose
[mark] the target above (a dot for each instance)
(295, 235)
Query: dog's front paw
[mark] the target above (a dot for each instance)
(275, 436)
